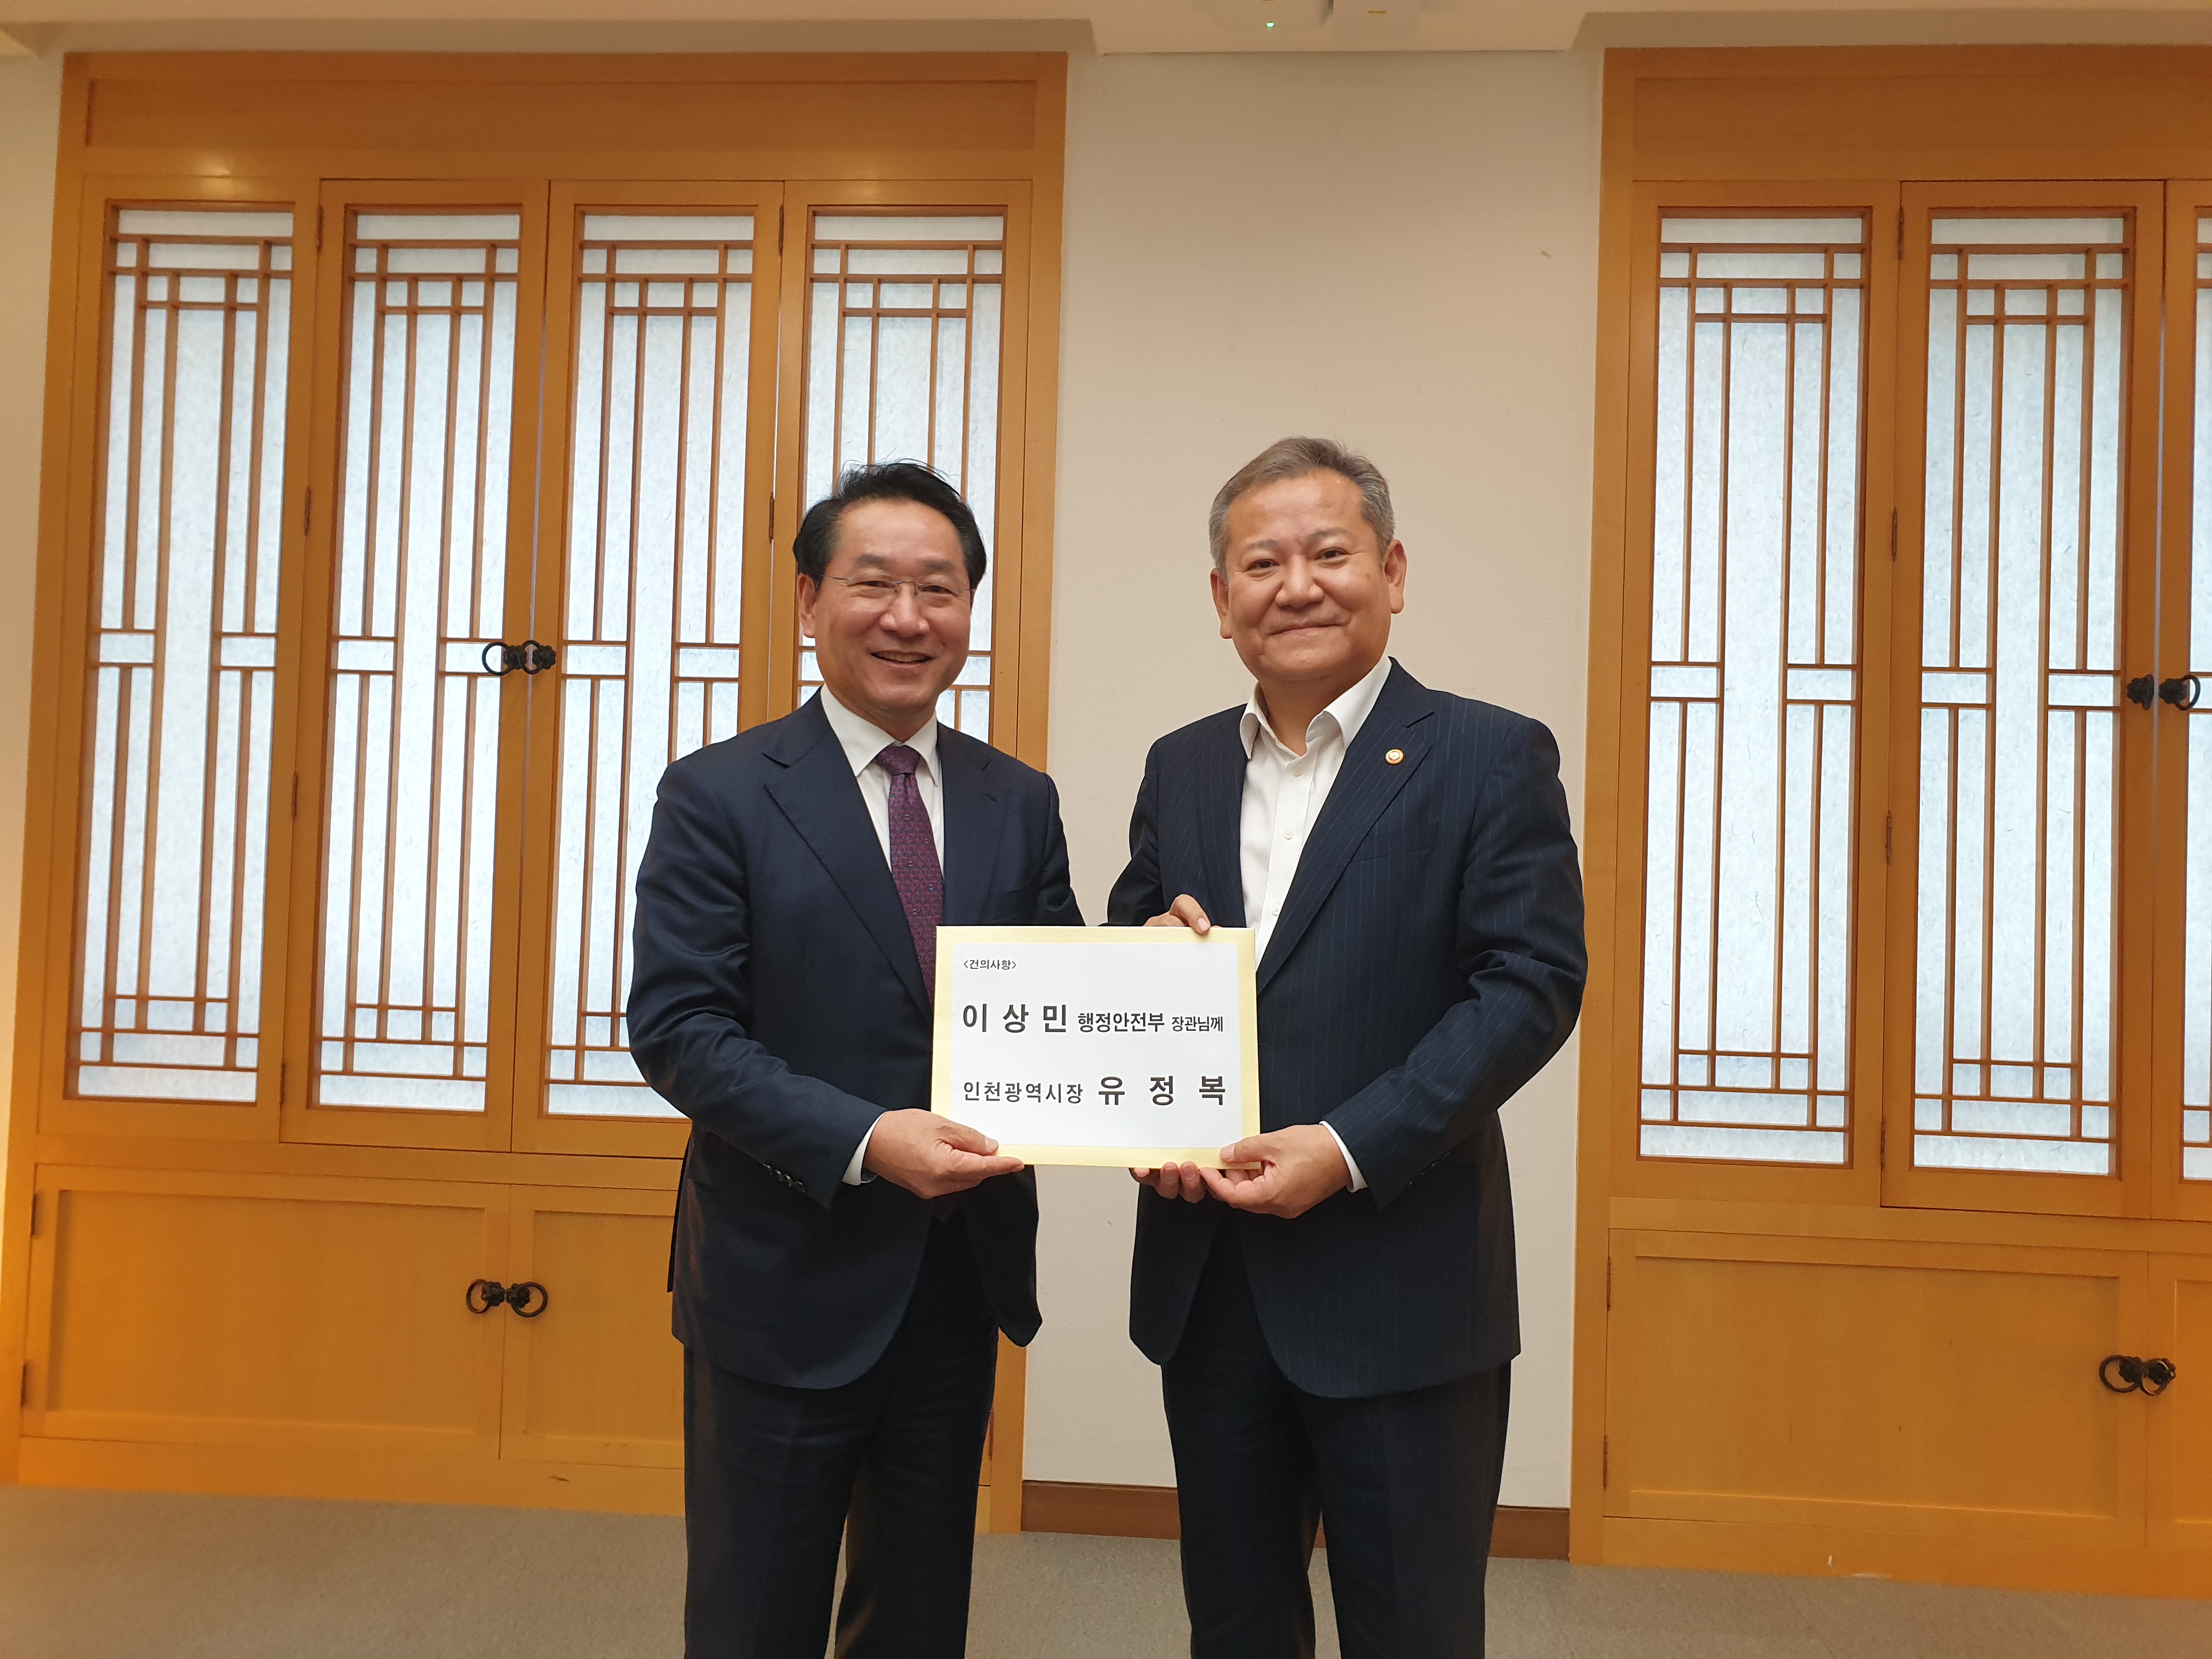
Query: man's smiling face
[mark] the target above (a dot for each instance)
(1305, 590)
(887, 662)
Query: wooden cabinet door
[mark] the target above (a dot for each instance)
(2179, 1422)
(261, 1310)
(1932, 1388)
(598, 1376)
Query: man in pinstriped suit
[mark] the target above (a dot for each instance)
(843, 1257)
(1335, 1326)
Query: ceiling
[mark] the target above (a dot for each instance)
(1104, 25)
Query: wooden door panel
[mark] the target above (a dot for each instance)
(1676, 1129)
(2179, 1421)
(428, 330)
(2019, 1077)
(1745, 714)
(1891, 1386)
(263, 1311)
(597, 1377)
(185, 668)
(159, 998)
(2181, 1054)
(651, 583)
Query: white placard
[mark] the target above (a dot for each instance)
(1132, 1046)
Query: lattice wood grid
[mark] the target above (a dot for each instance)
(646, 595)
(1755, 637)
(905, 317)
(2020, 608)
(2011, 780)
(428, 388)
(181, 680)
(651, 644)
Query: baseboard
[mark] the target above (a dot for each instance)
(1106, 1511)
(1102, 1511)
(1527, 1533)
(344, 1472)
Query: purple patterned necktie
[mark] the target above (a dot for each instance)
(914, 869)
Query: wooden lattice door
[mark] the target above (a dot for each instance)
(1900, 1027)
(421, 438)
(429, 309)
(652, 594)
(555, 422)
(1973, 688)
(2021, 777)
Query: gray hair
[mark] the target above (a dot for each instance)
(1295, 457)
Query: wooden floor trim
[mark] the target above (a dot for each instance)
(325, 1472)
(1109, 1511)
(1528, 1533)
(1103, 1511)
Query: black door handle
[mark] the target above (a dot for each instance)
(501, 659)
(519, 1298)
(2150, 1376)
(485, 1294)
(2180, 692)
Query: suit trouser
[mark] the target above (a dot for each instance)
(773, 1476)
(1408, 1484)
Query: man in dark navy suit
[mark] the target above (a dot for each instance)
(843, 1258)
(1335, 1323)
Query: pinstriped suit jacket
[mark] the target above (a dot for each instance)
(777, 1002)
(1428, 961)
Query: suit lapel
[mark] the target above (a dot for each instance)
(817, 793)
(1368, 782)
(974, 822)
(1220, 785)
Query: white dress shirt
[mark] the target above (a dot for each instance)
(862, 742)
(1284, 794)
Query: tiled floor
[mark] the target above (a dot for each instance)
(113, 1576)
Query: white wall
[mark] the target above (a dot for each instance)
(1400, 251)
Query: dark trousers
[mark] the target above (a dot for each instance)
(1408, 1484)
(773, 1476)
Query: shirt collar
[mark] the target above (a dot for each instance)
(862, 742)
(1350, 711)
